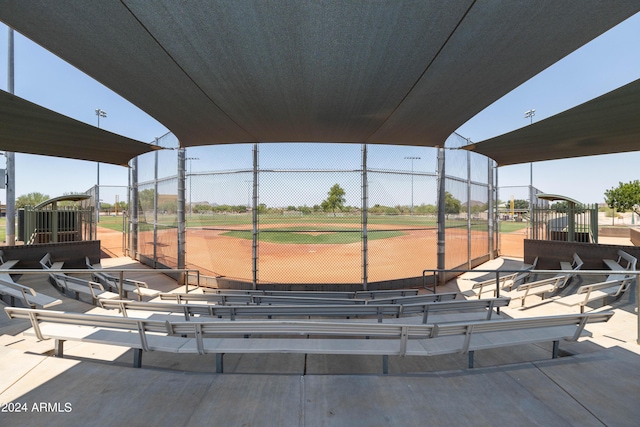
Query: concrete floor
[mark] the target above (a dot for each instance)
(599, 384)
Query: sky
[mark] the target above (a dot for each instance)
(608, 62)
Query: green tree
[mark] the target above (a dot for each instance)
(563, 207)
(31, 199)
(122, 206)
(520, 204)
(624, 197)
(201, 208)
(335, 200)
(146, 199)
(451, 204)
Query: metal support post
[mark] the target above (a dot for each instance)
(254, 211)
(441, 215)
(469, 208)
(155, 207)
(365, 217)
(10, 177)
(490, 209)
(181, 216)
(133, 209)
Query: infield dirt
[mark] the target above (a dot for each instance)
(397, 257)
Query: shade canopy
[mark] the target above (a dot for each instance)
(389, 72)
(607, 124)
(28, 128)
(557, 198)
(66, 198)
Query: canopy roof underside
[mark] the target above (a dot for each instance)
(387, 72)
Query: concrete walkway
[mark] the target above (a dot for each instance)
(96, 385)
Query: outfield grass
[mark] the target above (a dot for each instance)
(298, 231)
(511, 226)
(111, 222)
(302, 235)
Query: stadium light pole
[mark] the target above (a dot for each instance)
(103, 114)
(412, 158)
(190, 179)
(529, 115)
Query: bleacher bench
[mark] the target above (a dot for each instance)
(137, 287)
(542, 288)
(596, 291)
(384, 293)
(571, 267)
(74, 284)
(27, 295)
(624, 262)
(506, 282)
(306, 337)
(237, 298)
(484, 309)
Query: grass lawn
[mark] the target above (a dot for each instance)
(111, 222)
(302, 235)
(309, 229)
(511, 226)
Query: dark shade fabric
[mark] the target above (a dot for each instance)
(405, 72)
(605, 125)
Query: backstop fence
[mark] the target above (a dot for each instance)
(312, 213)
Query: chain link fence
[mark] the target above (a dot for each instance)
(312, 213)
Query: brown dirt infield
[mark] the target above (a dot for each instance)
(392, 258)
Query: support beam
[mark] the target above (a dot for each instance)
(137, 357)
(181, 215)
(441, 215)
(365, 217)
(219, 363)
(254, 216)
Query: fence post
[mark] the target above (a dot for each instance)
(490, 207)
(254, 219)
(181, 217)
(155, 207)
(468, 208)
(365, 213)
(441, 215)
(133, 209)
(594, 223)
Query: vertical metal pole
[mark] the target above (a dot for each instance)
(495, 213)
(133, 209)
(181, 217)
(441, 215)
(97, 193)
(468, 208)
(594, 223)
(411, 187)
(530, 231)
(365, 218)
(638, 305)
(254, 211)
(571, 223)
(155, 207)
(10, 177)
(490, 210)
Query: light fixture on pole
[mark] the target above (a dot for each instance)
(412, 158)
(103, 114)
(529, 115)
(190, 179)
